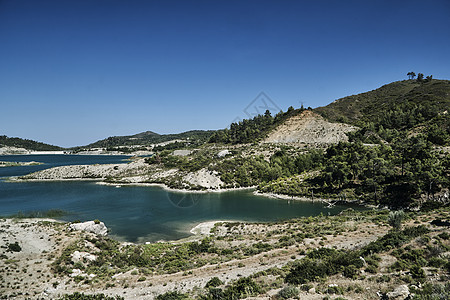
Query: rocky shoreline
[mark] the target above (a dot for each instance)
(36, 248)
(139, 173)
(18, 163)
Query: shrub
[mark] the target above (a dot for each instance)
(288, 292)
(436, 262)
(14, 247)
(436, 291)
(243, 288)
(395, 219)
(372, 269)
(418, 273)
(351, 271)
(444, 235)
(174, 295)
(214, 282)
(334, 289)
(393, 240)
(305, 271)
(324, 262)
(81, 296)
(215, 293)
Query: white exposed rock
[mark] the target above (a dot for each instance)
(223, 153)
(90, 226)
(182, 152)
(77, 272)
(97, 171)
(204, 178)
(401, 292)
(78, 256)
(363, 260)
(309, 128)
(8, 150)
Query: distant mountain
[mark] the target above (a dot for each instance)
(27, 144)
(150, 137)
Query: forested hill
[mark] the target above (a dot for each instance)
(398, 108)
(149, 137)
(27, 144)
(402, 106)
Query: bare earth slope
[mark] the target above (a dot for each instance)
(309, 128)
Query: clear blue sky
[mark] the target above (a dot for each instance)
(73, 72)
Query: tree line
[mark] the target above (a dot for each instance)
(420, 77)
(252, 130)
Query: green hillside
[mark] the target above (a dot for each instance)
(373, 105)
(27, 144)
(402, 106)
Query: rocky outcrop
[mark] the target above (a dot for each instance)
(90, 171)
(399, 293)
(204, 178)
(309, 128)
(95, 227)
(78, 256)
(223, 153)
(7, 150)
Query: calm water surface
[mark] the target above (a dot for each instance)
(136, 213)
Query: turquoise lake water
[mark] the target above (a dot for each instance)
(137, 213)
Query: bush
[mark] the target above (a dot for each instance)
(393, 240)
(418, 273)
(14, 247)
(324, 262)
(288, 292)
(175, 295)
(214, 282)
(395, 219)
(81, 296)
(433, 292)
(243, 288)
(305, 271)
(351, 271)
(335, 290)
(372, 269)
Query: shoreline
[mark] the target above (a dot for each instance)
(30, 152)
(197, 231)
(204, 228)
(330, 202)
(100, 181)
(167, 188)
(6, 164)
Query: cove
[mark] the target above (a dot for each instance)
(142, 213)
